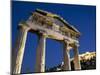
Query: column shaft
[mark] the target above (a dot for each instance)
(40, 55)
(20, 49)
(66, 58)
(77, 65)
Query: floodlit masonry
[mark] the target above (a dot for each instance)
(87, 55)
(47, 25)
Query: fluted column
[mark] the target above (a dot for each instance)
(40, 55)
(66, 57)
(77, 65)
(20, 48)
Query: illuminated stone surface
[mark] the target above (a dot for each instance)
(48, 25)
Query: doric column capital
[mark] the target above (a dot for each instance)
(24, 26)
(66, 41)
(67, 45)
(76, 44)
(44, 34)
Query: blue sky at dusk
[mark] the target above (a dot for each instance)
(81, 17)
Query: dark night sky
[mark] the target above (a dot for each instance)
(82, 17)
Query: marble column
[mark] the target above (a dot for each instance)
(66, 57)
(77, 65)
(20, 48)
(40, 55)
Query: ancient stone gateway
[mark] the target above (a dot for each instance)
(47, 25)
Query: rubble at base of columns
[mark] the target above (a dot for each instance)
(88, 62)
